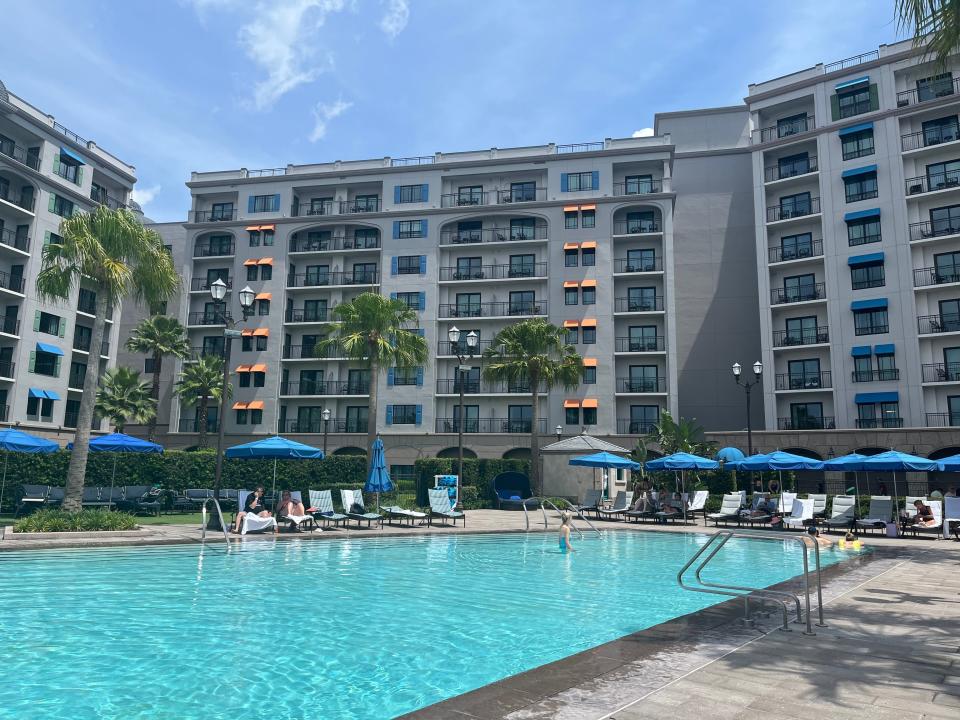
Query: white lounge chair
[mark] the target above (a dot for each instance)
(785, 504)
(881, 510)
(699, 503)
(297, 522)
(621, 504)
(802, 514)
(440, 507)
(252, 522)
(819, 504)
(322, 501)
(729, 509)
(951, 514)
(352, 502)
(843, 513)
(395, 512)
(937, 507)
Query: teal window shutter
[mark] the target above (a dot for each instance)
(56, 366)
(63, 326)
(563, 182)
(419, 414)
(389, 414)
(423, 301)
(596, 180)
(874, 97)
(56, 164)
(53, 202)
(251, 202)
(33, 360)
(420, 376)
(36, 320)
(396, 229)
(835, 106)
(394, 265)
(275, 205)
(419, 331)
(396, 194)
(423, 228)
(390, 376)
(425, 193)
(423, 264)
(80, 175)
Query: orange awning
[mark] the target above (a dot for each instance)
(571, 403)
(589, 362)
(252, 228)
(246, 333)
(258, 368)
(242, 368)
(261, 332)
(264, 296)
(255, 405)
(588, 207)
(588, 283)
(590, 403)
(570, 208)
(589, 244)
(239, 406)
(268, 227)
(265, 261)
(589, 322)
(571, 323)
(250, 262)
(571, 246)
(570, 284)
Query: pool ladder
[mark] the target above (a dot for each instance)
(546, 501)
(203, 521)
(785, 599)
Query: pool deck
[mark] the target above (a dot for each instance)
(891, 648)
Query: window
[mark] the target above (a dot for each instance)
(522, 228)
(577, 182)
(246, 343)
(638, 184)
(256, 417)
(643, 378)
(254, 238)
(471, 418)
(241, 417)
(404, 414)
(259, 378)
(802, 331)
(861, 187)
(953, 405)
(863, 231)
(642, 338)
(857, 144)
(571, 296)
(251, 272)
(364, 273)
(45, 363)
(588, 219)
(572, 336)
(61, 206)
(570, 219)
(411, 193)
(868, 275)
(264, 203)
(949, 315)
(792, 125)
(588, 257)
(589, 295)
(570, 258)
(320, 206)
(946, 267)
(590, 375)
(522, 266)
(887, 366)
(795, 205)
(49, 324)
(523, 302)
(411, 299)
(244, 379)
(792, 165)
(221, 211)
(641, 299)
(470, 195)
(468, 305)
(803, 374)
(933, 87)
(469, 268)
(519, 418)
(54, 239)
(854, 101)
(589, 336)
(798, 288)
(261, 343)
(523, 191)
(212, 345)
(366, 203)
(945, 220)
(69, 169)
(642, 222)
(469, 231)
(266, 272)
(806, 416)
(408, 265)
(942, 175)
(366, 238)
(571, 416)
(870, 322)
(406, 375)
(643, 418)
(40, 407)
(589, 416)
(940, 130)
(862, 369)
(263, 307)
(879, 415)
(410, 229)
(793, 247)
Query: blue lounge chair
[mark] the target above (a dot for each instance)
(353, 507)
(440, 507)
(322, 503)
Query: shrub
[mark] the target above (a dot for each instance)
(56, 520)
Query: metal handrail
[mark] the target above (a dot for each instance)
(543, 500)
(203, 521)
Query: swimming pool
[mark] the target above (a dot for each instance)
(355, 629)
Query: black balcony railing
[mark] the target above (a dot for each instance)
(218, 249)
(639, 187)
(334, 425)
(494, 272)
(199, 283)
(493, 309)
(932, 182)
(465, 199)
(82, 343)
(637, 265)
(642, 304)
(517, 195)
(7, 368)
(875, 375)
(101, 197)
(334, 242)
(496, 234)
(878, 329)
(641, 385)
(800, 293)
(922, 277)
(445, 347)
(782, 171)
(641, 344)
(12, 282)
(451, 386)
(205, 216)
(320, 279)
(806, 423)
(941, 372)
(804, 381)
(788, 211)
(199, 351)
(626, 426)
(9, 325)
(637, 227)
(23, 199)
(795, 338)
(785, 129)
(489, 425)
(311, 207)
(937, 89)
(927, 230)
(851, 61)
(943, 323)
(872, 282)
(943, 419)
(192, 425)
(325, 387)
(21, 155)
(15, 240)
(312, 352)
(795, 252)
(76, 379)
(876, 423)
(863, 239)
(935, 135)
(855, 108)
(301, 315)
(204, 318)
(360, 205)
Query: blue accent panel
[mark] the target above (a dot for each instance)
(390, 376)
(396, 229)
(394, 265)
(52, 395)
(389, 414)
(851, 83)
(419, 414)
(250, 201)
(418, 331)
(423, 228)
(423, 301)
(878, 304)
(888, 349)
(275, 205)
(47, 348)
(865, 259)
(860, 351)
(423, 264)
(563, 183)
(36, 393)
(420, 376)
(396, 194)
(877, 397)
(860, 214)
(596, 180)
(859, 171)
(425, 193)
(855, 129)
(71, 154)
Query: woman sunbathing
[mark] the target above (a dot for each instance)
(924, 516)
(253, 504)
(289, 507)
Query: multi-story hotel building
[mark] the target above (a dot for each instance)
(47, 173)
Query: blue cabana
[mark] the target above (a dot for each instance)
(13, 440)
(681, 461)
(378, 480)
(274, 448)
(120, 443)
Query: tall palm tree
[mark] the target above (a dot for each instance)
(113, 252)
(199, 383)
(158, 336)
(122, 398)
(379, 333)
(534, 352)
(935, 25)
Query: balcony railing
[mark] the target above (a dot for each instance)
(807, 423)
(627, 265)
(796, 338)
(221, 249)
(7, 368)
(851, 61)
(334, 242)
(488, 425)
(875, 375)
(863, 239)
(15, 240)
(923, 277)
(82, 343)
(197, 284)
(319, 279)
(932, 182)
(941, 372)
(934, 91)
(334, 425)
(796, 168)
(204, 318)
(102, 198)
(496, 234)
(21, 155)
(199, 351)
(801, 293)
(205, 216)
(637, 227)
(641, 385)
(311, 207)
(518, 195)
(9, 325)
(312, 352)
(935, 135)
(804, 381)
(876, 423)
(192, 425)
(639, 187)
(23, 199)
(943, 323)
(494, 272)
(626, 426)
(643, 304)
(450, 386)
(363, 205)
(467, 199)
(927, 230)
(492, 309)
(445, 347)
(325, 387)
(301, 315)
(12, 282)
(797, 252)
(76, 379)
(853, 109)
(786, 129)
(641, 344)
(943, 419)
(775, 213)
(878, 329)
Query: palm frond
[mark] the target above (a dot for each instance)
(122, 398)
(935, 25)
(203, 378)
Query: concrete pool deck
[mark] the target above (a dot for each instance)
(891, 648)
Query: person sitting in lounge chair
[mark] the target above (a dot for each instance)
(924, 516)
(253, 504)
(814, 535)
(644, 502)
(290, 507)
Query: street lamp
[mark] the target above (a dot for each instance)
(326, 422)
(747, 385)
(559, 431)
(453, 334)
(218, 291)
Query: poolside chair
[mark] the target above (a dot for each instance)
(881, 510)
(322, 503)
(591, 498)
(511, 489)
(910, 511)
(759, 513)
(130, 498)
(729, 510)
(621, 505)
(395, 512)
(297, 522)
(801, 515)
(353, 507)
(55, 495)
(251, 522)
(653, 507)
(819, 504)
(951, 517)
(196, 496)
(699, 504)
(111, 496)
(91, 497)
(440, 507)
(32, 497)
(937, 507)
(843, 513)
(785, 504)
(675, 513)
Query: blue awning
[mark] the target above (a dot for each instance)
(851, 83)
(53, 395)
(47, 348)
(37, 393)
(870, 398)
(887, 349)
(860, 351)
(859, 171)
(877, 304)
(860, 214)
(855, 129)
(71, 154)
(865, 259)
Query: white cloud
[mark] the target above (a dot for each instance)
(143, 196)
(643, 132)
(396, 17)
(323, 113)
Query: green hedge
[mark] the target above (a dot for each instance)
(56, 520)
(477, 481)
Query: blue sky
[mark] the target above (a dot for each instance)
(175, 86)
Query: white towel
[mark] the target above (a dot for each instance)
(252, 523)
(297, 518)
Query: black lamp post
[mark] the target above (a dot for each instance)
(747, 385)
(453, 334)
(326, 426)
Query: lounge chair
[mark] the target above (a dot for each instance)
(91, 497)
(674, 513)
(440, 507)
(131, 497)
(819, 504)
(699, 504)
(621, 505)
(910, 510)
(32, 497)
(395, 512)
(653, 507)
(729, 510)
(937, 507)
(297, 522)
(591, 498)
(111, 496)
(196, 496)
(881, 510)
(251, 522)
(511, 490)
(759, 511)
(785, 503)
(951, 517)
(322, 503)
(353, 508)
(801, 515)
(843, 514)
(55, 495)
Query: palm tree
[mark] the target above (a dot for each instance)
(534, 352)
(122, 397)
(158, 336)
(379, 333)
(113, 252)
(684, 436)
(935, 25)
(200, 382)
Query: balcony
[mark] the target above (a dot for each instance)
(626, 426)
(933, 324)
(13, 283)
(101, 197)
(934, 91)
(797, 252)
(332, 279)
(82, 343)
(488, 425)
(210, 216)
(493, 309)
(931, 137)
(334, 425)
(802, 293)
(639, 265)
(641, 386)
(359, 206)
(806, 423)
(7, 368)
(203, 284)
(772, 173)
(639, 345)
(312, 352)
(644, 304)
(925, 277)
(70, 419)
(450, 386)
(24, 200)
(637, 227)
(941, 372)
(301, 315)
(797, 338)
(784, 129)
(519, 195)
(325, 387)
(192, 425)
(76, 379)
(943, 419)
(312, 208)
(466, 199)
(875, 375)
(932, 182)
(779, 213)
(929, 230)
(17, 241)
(204, 318)
(493, 272)
(447, 348)
(10, 325)
(492, 235)
(219, 249)
(20, 155)
(200, 351)
(804, 381)
(334, 242)
(641, 187)
(877, 423)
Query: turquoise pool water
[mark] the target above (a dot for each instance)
(353, 629)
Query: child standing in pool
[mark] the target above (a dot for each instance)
(565, 545)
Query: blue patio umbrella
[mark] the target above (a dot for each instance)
(275, 448)
(605, 460)
(730, 454)
(682, 461)
(120, 443)
(950, 464)
(379, 479)
(894, 460)
(737, 464)
(13, 440)
(847, 463)
(779, 460)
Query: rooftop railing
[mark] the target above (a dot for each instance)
(579, 147)
(851, 61)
